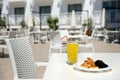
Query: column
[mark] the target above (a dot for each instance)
(28, 13)
(5, 8)
(88, 6)
(87, 9)
(5, 11)
(56, 8)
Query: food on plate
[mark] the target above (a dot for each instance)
(100, 64)
(90, 63)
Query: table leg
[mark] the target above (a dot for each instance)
(3, 55)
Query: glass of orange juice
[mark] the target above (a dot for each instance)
(72, 52)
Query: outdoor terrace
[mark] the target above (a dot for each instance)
(42, 55)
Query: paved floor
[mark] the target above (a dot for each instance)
(41, 54)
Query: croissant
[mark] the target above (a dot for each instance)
(89, 63)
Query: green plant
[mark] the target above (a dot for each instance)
(33, 23)
(23, 24)
(90, 24)
(89, 27)
(52, 22)
(2, 22)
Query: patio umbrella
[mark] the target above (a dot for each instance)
(30, 20)
(28, 13)
(84, 17)
(5, 8)
(103, 18)
(73, 19)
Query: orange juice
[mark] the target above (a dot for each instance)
(72, 51)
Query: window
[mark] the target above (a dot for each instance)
(44, 9)
(112, 11)
(19, 11)
(76, 7)
(111, 5)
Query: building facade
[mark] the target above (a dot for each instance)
(16, 10)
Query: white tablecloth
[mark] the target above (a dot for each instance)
(58, 69)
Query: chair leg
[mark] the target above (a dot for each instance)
(116, 40)
(60, 50)
(49, 54)
(32, 39)
(93, 49)
(3, 53)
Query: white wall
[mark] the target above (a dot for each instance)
(65, 3)
(97, 8)
(63, 7)
(41, 3)
(56, 7)
(97, 5)
(14, 5)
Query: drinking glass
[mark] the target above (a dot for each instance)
(72, 52)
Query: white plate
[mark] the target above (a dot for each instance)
(94, 70)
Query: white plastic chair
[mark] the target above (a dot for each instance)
(62, 34)
(11, 34)
(44, 37)
(88, 45)
(88, 42)
(99, 34)
(65, 36)
(38, 36)
(55, 42)
(21, 56)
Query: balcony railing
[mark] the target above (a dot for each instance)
(112, 16)
(42, 17)
(15, 19)
(65, 19)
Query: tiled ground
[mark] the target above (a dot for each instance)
(41, 53)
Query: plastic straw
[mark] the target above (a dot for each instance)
(65, 37)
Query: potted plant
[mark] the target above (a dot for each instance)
(23, 24)
(2, 23)
(89, 27)
(52, 22)
(33, 23)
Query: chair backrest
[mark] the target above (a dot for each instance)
(93, 33)
(64, 33)
(21, 57)
(55, 42)
(85, 30)
(26, 32)
(55, 37)
(12, 34)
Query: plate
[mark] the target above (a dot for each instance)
(94, 70)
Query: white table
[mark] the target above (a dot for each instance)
(58, 69)
(74, 32)
(37, 35)
(113, 33)
(2, 45)
(77, 37)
